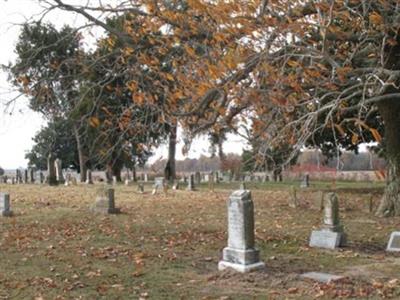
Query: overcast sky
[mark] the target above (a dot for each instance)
(18, 124)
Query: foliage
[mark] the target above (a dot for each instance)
(57, 138)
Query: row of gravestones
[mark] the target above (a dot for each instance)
(240, 253)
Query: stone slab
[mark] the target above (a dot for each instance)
(394, 242)
(321, 277)
(326, 239)
(222, 265)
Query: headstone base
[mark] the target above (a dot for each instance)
(241, 260)
(222, 265)
(327, 239)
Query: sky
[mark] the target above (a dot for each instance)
(18, 124)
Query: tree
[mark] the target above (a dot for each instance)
(56, 137)
(315, 65)
(47, 70)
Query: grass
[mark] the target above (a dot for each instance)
(168, 246)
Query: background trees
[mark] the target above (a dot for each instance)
(326, 72)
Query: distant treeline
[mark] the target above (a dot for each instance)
(348, 161)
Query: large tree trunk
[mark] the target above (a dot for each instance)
(81, 155)
(390, 113)
(170, 168)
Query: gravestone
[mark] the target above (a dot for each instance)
(68, 178)
(41, 177)
(114, 180)
(211, 182)
(293, 200)
(26, 176)
(206, 178)
(5, 209)
(242, 186)
(331, 235)
(146, 177)
(190, 186)
(32, 175)
(18, 176)
(241, 254)
(175, 186)
(89, 179)
(59, 171)
(197, 177)
(306, 182)
(140, 188)
(159, 182)
(321, 277)
(105, 202)
(394, 242)
(128, 182)
(51, 171)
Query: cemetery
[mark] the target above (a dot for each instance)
(226, 243)
(199, 149)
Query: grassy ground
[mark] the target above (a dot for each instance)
(168, 246)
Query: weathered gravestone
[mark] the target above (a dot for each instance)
(5, 209)
(51, 175)
(175, 185)
(89, 179)
(242, 186)
(68, 178)
(140, 188)
(32, 175)
(306, 181)
(241, 254)
(331, 235)
(146, 177)
(211, 182)
(59, 171)
(105, 202)
(26, 176)
(190, 186)
(322, 277)
(293, 200)
(394, 242)
(159, 182)
(41, 177)
(197, 177)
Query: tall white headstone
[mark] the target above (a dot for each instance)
(241, 254)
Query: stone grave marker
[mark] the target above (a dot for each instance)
(89, 179)
(190, 186)
(26, 176)
(146, 177)
(243, 186)
(41, 177)
(59, 171)
(140, 188)
(197, 177)
(159, 182)
(321, 277)
(293, 200)
(5, 209)
(68, 178)
(306, 181)
(32, 175)
(105, 202)
(331, 235)
(175, 186)
(211, 182)
(394, 242)
(51, 171)
(241, 254)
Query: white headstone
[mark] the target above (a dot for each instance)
(241, 254)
